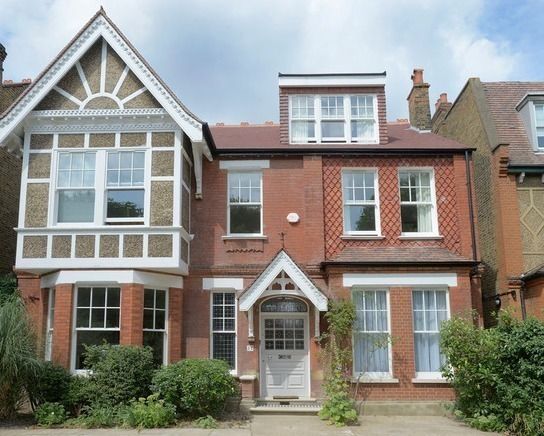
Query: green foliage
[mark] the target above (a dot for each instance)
(120, 373)
(497, 373)
(82, 392)
(49, 414)
(206, 422)
(339, 407)
(149, 412)
(51, 385)
(18, 362)
(8, 286)
(196, 387)
(97, 416)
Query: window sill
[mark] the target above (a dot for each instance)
(249, 377)
(380, 380)
(421, 237)
(363, 237)
(236, 237)
(442, 381)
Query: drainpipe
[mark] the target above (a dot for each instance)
(470, 207)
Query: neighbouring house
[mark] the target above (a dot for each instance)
(504, 121)
(139, 224)
(10, 174)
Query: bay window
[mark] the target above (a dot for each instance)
(333, 118)
(75, 187)
(50, 323)
(96, 319)
(417, 202)
(155, 315)
(371, 333)
(430, 310)
(125, 186)
(539, 115)
(361, 209)
(245, 203)
(224, 327)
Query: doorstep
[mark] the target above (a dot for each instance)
(285, 406)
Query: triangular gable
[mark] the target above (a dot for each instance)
(283, 262)
(100, 26)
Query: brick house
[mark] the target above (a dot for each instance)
(504, 121)
(10, 173)
(140, 224)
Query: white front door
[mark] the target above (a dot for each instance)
(284, 355)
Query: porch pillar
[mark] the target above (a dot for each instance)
(132, 314)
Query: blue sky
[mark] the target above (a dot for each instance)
(222, 57)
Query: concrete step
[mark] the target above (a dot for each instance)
(286, 407)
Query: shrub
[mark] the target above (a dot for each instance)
(18, 362)
(120, 373)
(8, 286)
(97, 416)
(206, 422)
(49, 414)
(149, 412)
(196, 387)
(50, 385)
(82, 393)
(497, 373)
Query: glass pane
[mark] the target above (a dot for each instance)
(278, 323)
(84, 297)
(404, 179)
(409, 218)
(217, 311)
(77, 161)
(126, 160)
(76, 178)
(431, 321)
(88, 179)
(149, 298)
(113, 161)
(224, 347)
(362, 129)
(139, 160)
(63, 180)
(82, 319)
(370, 321)
(289, 345)
(218, 324)
(112, 318)
(92, 338)
(155, 340)
(113, 178)
(229, 298)
(97, 318)
(269, 345)
(99, 297)
(125, 178)
(299, 323)
(299, 345)
(229, 311)
(245, 219)
(419, 321)
(217, 298)
(278, 334)
(138, 177)
(160, 299)
(229, 324)
(244, 194)
(381, 300)
(280, 345)
(301, 130)
(89, 161)
(64, 161)
(125, 203)
(76, 206)
(113, 297)
(360, 218)
(268, 323)
(441, 300)
(418, 300)
(332, 129)
(148, 319)
(160, 316)
(425, 179)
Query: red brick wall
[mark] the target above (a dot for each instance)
(36, 300)
(132, 314)
(284, 106)
(62, 325)
(175, 324)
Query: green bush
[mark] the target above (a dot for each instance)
(149, 412)
(497, 373)
(120, 373)
(196, 387)
(18, 362)
(82, 393)
(98, 416)
(49, 414)
(51, 385)
(8, 286)
(206, 422)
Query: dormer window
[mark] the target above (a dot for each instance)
(539, 117)
(333, 119)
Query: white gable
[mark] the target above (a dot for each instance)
(303, 286)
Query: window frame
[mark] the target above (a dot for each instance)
(433, 203)
(234, 370)
(50, 325)
(260, 204)
(75, 329)
(318, 119)
(334, 119)
(426, 375)
(143, 187)
(537, 126)
(373, 375)
(376, 203)
(57, 188)
(165, 352)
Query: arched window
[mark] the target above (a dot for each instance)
(284, 304)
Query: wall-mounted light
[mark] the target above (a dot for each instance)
(497, 298)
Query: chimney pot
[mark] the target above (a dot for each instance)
(269, 123)
(7, 82)
(26, 81)
(444, 97)
(244, 123)
(418, 102)
(219, 124)
(3, 55)
(417, 76)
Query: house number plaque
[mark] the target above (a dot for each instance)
(284, 356)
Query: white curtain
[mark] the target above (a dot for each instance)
(424, 218)
(370, 354)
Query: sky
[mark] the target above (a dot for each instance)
(222, 58)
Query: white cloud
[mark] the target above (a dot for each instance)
(222, 58)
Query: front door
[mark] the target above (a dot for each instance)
(284, 355)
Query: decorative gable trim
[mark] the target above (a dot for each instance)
(100, 26)
(283, 262)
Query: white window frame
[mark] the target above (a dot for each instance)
(50, 324)
(58, 153)
(424, 375)
(260, 203)
(375, 202)
(537, 126)
(75, 329)
(166, 317)
(338, 118)
(374, 375)
(432, 202)
(142, 187)
(347, 120)
(313, 119)
(234, 370)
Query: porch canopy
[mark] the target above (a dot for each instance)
(283, 277)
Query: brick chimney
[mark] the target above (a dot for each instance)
(418, 102)
(442, 107)
(3, 55)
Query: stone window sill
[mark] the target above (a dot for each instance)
(417, 237)
(369, 380)
(241, 237)
(363, 237)
(430, 381)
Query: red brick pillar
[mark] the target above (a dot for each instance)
(175, 324)
(62, 325)
(402, 336)
(36, 300)
(132, 314)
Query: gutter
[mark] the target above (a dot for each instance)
(399, 263)
(334, 151)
